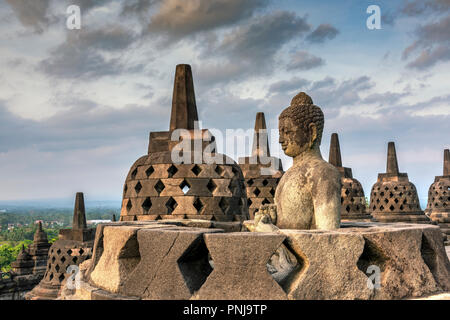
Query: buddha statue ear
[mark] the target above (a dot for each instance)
(312, 134)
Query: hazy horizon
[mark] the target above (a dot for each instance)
(58, 203)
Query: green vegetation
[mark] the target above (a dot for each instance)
(26, 233)
(11, 242)
(17, 227)
(9, 252)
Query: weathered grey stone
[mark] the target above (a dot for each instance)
(438, 206)
(120, 256)
(174, 264)
(79, 215)
(62, 255)
(184, 109)
(79, 230)
(240, 271)
(154, 185)
(334, 263)
(105, 295)
(24, 263)
(308, 194)
(400, 255)
(327, 265)
(353, 201)
(72, 248)
(393, 197)
(98, 248)
(435, 257)
(262, 171)
(176, 258)
(225, 226)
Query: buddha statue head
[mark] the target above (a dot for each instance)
(300, 126)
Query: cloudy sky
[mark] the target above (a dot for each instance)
(76, 106)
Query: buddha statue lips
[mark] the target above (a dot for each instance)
(308, 194)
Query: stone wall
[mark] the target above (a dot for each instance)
(15, 287)
(194, 259)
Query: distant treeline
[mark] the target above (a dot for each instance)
(25, 233)
(27, 216)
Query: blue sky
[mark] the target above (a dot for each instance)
(76, 106)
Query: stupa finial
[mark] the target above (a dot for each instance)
(446, 162)
(40, 235)
(392, 164)
(260, 136)
(184, 108)
(335, 151)
(79, 213)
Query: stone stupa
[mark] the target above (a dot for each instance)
(203, 185)
(261, 171)
(24, 263)
(353, 200)
(39, 250)
(28, 268)
(438, 208)
(72, 248)
(394, 198)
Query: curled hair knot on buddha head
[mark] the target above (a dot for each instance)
(303, 112)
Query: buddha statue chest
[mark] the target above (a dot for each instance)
(294, 201)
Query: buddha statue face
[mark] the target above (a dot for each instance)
(300, 126)
(293, 139)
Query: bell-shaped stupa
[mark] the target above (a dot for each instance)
(182, 176)
(261, 171)
(394, 198)
(72, 248)
(438, 208)
(24, 263)
(353, 200)
(39, 250)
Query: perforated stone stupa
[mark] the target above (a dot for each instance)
(39, 250)
(438, 208)
(261, 171)
(28, 269)
(72, 248)
(353, 201)
(208, 185)
(394, 198)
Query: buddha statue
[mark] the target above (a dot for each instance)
(308, 195)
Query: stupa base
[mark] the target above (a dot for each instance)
(409, 217)
(195, 259)
(442, 219)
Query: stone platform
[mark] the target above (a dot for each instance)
(197, 259)
(16, 287)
